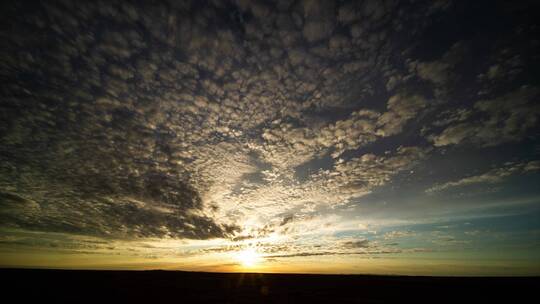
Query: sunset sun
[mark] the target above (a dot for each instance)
(248, 257)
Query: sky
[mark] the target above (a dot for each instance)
(379, 137)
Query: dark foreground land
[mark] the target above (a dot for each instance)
(70, 286)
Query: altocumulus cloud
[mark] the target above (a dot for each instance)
(142, 121)
(197, 120)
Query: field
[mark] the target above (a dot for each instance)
(76, 286)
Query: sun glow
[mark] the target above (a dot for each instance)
(248, 257)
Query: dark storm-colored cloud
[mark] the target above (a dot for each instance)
(190, 119)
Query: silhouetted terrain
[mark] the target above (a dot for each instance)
(192, 287)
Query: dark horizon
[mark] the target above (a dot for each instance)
(138, 286)
(45, 268)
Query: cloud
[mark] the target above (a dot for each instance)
(441, 71)
(321, 246)
(287, 220)
(505, 65)
(319, 19)
(453, 117)
(373, 251)
(401, 109)
(397, 234)
(240, 120)
(357, 244)
(492, 176)
(507, 118)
